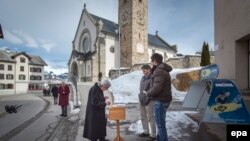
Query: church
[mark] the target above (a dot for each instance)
(101, 45)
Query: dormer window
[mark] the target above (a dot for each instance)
(22, 59)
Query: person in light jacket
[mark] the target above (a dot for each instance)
(146, 106)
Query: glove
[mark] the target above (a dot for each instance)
(144, 92)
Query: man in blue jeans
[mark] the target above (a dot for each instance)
(160, 93)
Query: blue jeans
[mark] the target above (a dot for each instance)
(160, 110)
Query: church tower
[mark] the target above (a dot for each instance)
(133, 17)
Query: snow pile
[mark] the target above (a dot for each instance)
(126, 87)
(74, 113)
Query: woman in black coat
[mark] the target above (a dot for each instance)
(95, 120)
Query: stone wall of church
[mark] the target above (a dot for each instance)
(187, 61)
(103, 62)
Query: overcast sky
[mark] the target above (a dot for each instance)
(47, 27)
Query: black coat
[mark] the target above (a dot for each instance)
(95, 120)
(54, 91)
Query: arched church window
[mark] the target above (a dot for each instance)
(86, 44)
(112, 49)
(140, 0)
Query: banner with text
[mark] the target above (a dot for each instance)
(226, 104)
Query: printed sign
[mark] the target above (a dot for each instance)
(226, 103)
(209, 72)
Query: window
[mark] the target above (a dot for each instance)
(10, 67)
(32, 69)
(1, 76)
(21, 68)
(9, 86)
(1, 66)
(35, 86)
(38, 78)
(22, 60)
(112, 49)
(140, 0)
(2, 86)
(86, 44)
(165, 56)
(38, 70)
(9, 76)
(21, 77)
(153, 51)
(32, 77)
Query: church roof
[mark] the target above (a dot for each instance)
(108, 26)
(9, 56)
(157, 41)
(112, 28)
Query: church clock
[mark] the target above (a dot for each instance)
(125, 17)
(140, 17)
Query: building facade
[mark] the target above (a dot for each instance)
(232, 40)
(98, 48)
(20, 72)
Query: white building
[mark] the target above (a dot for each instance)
(96, 49)
(20, 72)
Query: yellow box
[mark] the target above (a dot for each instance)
(116, 113)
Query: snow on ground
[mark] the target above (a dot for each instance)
(175, 123)
(126, 89)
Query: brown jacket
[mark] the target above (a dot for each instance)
(160, 85)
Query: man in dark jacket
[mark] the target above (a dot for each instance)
(54, 91)
(160, 93)
(95, 119)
